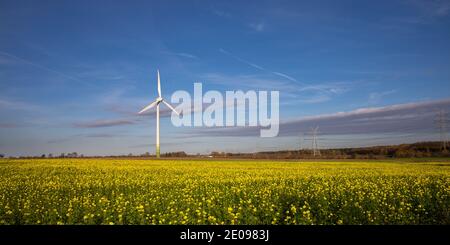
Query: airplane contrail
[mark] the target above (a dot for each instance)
(242, 60)
(41, 67)
(257, 66)
(284, 75)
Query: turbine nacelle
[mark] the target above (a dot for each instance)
(158, 100)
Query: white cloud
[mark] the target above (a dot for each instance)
(413, 118)
(221, 13)
(103, 123)
(257, 26)
(376, 97)
(434, 8)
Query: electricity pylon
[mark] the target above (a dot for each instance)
(316, 151)
(441, 122)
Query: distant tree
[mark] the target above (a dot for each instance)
(43, 156)
(175, 154)
(73, 154)
(2, 156)
(50, 155)
(404, 153)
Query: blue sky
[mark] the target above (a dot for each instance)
(73, 74)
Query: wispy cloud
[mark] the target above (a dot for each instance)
(79, 136)
(12, 104)
(434, 8)
(376, 97)
(36, 47)
(102, 74)
(57, 141)
(180, 143)
(248, 81)
(103, 135)
(425, 12)
(116, 100)
(4, 60)
(259, 27)
(103, 123)
(9, 125)
(221, 13)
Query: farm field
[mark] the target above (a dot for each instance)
(131, 191)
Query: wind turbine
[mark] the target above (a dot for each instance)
(158, 101)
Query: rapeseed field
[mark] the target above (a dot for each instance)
(129, 191)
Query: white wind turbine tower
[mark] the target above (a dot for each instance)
(157, 102)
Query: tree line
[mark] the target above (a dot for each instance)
(420, 149)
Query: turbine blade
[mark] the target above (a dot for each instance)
(171, 107)
(159, 85)
(149, 106)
